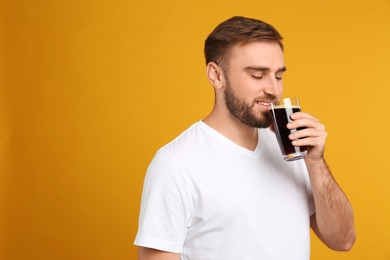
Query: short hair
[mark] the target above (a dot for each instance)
(237, 30)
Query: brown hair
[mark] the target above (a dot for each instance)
(237, 30)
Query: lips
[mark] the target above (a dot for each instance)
(264, 103)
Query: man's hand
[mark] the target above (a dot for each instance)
(313, 135)
(333, 221)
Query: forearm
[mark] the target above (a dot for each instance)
(334, 219)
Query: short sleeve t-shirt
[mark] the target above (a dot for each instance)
(206, 197)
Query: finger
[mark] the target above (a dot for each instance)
(308, 133)
(316, 143)
(303, 115)
(310, 138)
(306, 122)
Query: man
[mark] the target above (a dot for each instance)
(221, 190)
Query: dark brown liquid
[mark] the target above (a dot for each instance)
(281, 116)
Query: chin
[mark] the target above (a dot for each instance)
(259, 124)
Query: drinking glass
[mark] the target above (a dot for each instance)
(281, 112)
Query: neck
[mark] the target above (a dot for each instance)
(233, 129)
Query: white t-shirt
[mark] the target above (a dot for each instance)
(208, 198)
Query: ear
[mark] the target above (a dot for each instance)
(214, 74)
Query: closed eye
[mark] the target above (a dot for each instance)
(279, 73)
(257, 77)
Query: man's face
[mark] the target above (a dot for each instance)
(253, 81)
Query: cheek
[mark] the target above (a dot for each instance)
(245, 86)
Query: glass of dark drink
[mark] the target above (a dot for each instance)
(281, 112)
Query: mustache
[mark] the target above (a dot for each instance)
(267, 98)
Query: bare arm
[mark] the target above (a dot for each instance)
(333, 221)
(145, 253)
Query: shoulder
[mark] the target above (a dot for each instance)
(183, 146)
(187, 141)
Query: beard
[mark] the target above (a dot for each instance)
(245, 112)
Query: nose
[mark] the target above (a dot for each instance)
(274, 87)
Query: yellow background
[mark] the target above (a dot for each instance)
(91, 89)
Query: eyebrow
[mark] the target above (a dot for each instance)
(253, 68)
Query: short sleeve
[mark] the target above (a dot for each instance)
(165, 205)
